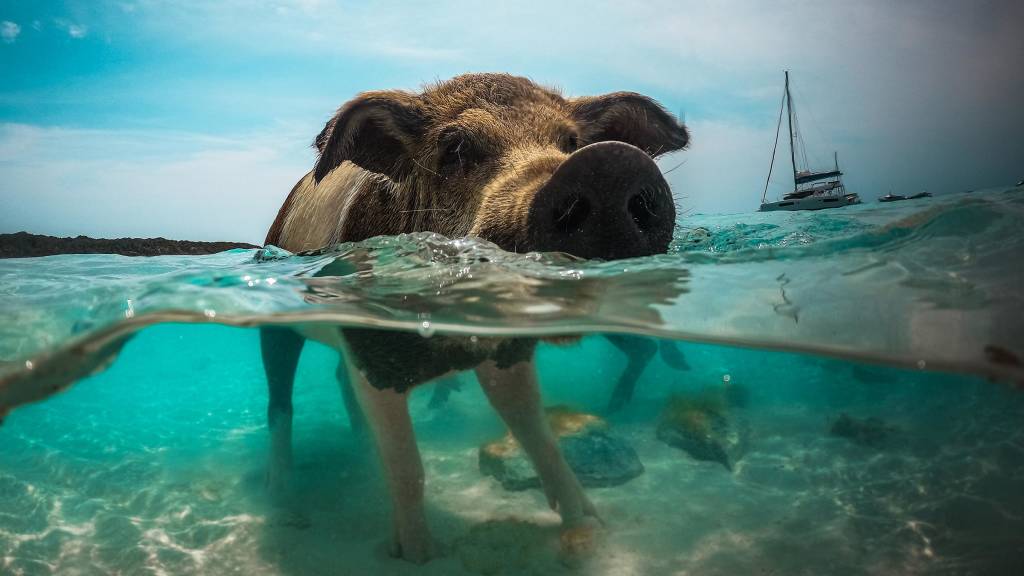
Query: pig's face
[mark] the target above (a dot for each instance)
(499, 157)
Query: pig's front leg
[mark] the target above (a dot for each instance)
(514, 394)
(387, 414)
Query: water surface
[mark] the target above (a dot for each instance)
(911, 313)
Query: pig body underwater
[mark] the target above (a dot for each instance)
(489, 155)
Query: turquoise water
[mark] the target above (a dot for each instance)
(152, 459)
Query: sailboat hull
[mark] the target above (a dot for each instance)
(811, 203)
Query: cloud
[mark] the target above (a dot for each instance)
(724, 169)
(309, 27)
(916, 94)
(73, 29)
(9, 31)
(106, 183)
(77, 31)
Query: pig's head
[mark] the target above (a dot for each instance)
(502, 158)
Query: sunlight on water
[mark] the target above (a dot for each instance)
(840, 454)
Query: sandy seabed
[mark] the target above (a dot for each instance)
(174, 485)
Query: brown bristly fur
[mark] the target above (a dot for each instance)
(381, 168)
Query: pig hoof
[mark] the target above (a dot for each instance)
(579, 539)
(394, 549)
(419, 550)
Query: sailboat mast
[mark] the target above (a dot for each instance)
(789, 122)
(771, 166)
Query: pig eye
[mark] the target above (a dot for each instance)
(569, 143)
(458, 153)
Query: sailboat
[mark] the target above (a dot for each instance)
(812, 190)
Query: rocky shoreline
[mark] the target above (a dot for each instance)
(25, 245)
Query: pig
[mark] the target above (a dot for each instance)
(488, 155)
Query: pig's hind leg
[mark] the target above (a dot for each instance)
(356, 419)
(280, 348)
(639, 351)
(514, 394)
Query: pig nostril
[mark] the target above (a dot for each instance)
(571, 213)
(641, 209)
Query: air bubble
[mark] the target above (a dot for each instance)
(425, 329)
(726, 378)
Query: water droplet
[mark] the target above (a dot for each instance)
(425, 329)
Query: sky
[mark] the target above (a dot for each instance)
(193, 120)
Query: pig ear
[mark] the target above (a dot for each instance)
(375, 131)
(629, 117)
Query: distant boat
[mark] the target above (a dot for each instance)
(811, 190)
(890, 197)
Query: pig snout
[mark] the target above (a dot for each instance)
(607, 200)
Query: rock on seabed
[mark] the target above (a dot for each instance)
(598, 457)
(699, 424)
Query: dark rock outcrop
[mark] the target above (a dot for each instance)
(597, 457)
(871, 432)
(25, 245)
(699, 425)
